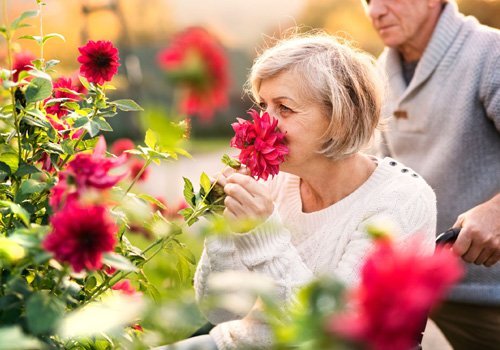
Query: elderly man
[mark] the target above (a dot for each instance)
(443, 105)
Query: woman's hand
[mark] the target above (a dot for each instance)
(245, 197)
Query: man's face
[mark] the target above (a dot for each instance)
(398, 22)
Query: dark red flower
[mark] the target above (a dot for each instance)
(80, 236)
(99, 61)
(61, 86)
(125, 287)
(22, 62)
(196, 61)
(398, 289)
(121, 145)
(135, 166)
(86, 171)
(261, 144)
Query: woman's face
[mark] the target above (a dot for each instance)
(302, 121)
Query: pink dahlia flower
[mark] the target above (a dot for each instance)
(80, 236)
(398, 289)
(86, 171)
(261, 143)
(22, 62)
(58, 92)
(99, 61)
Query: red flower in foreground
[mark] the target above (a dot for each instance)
(22, 62)
(56, 108)
(261, 144)
(398, 289)
(86, 171)
(99, 61)
(196, 60)
(80, 236)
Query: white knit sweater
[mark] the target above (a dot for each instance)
(293, 247)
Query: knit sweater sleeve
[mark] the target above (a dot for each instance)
(412, 210)
(490, 90)
(268, 250)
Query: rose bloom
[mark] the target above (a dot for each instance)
(86, 171)
(22, 62)
(261, 144)
(196, 61)
(80, 236)
(398, 289)
(63, 83)
(99, 61)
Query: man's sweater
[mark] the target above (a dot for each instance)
(445, 124)
(292, 247)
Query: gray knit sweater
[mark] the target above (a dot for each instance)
(446, 124)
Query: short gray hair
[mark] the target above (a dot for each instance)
(341, 78)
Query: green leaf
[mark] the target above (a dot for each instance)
(231, 162)
(81, 121)
(52, 35)
(90, 282)
(51, 63)
(188, 192)
(205, 182)
(18, 211)
(26, 169)
(10, 159)
(43, 312)
(28, 187)
(103, 124)
(92, 127)
(151, 199)
(17, 23)
(126, 105)
(119, 262)
(38, 89)
(150, 139)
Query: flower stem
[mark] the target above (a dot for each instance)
(137, 177)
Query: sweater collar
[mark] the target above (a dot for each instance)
(447, 28)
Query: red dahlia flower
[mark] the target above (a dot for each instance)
(86, 171)
(398, 289)
(261, 143)
(56, 108)
(80, 236)
(99, 61)
(196, 61)
(125, 287)
(121, 145)
(22, 62)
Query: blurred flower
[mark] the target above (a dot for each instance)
(61, 86)
(22, 62)
(398, 289)
(196, 61)
(86, 171)
(261, 144)
(99, 61)
(80, 236)
(125, 287)
(122, 145)
(135, 166)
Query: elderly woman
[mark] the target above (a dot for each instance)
(326, 97)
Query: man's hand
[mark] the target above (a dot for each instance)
(479, 238)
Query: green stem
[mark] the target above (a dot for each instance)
(41, 36)
(138, 176)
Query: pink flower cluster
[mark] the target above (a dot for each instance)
(82, 232)
(261, 143)
(398, 289)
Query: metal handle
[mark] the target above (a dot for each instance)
(449, 236)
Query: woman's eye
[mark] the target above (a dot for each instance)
(262, 106)
(284, 109)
